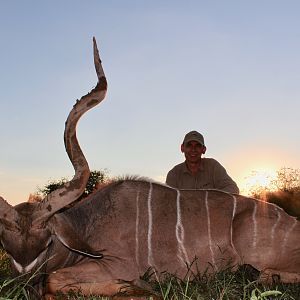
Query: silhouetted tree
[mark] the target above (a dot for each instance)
(289, 201)
(287, 180)
(283, 191)
(52, 186)
(96, 178)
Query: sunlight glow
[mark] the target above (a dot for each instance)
(261, 179)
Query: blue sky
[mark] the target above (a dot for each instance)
(229, 69)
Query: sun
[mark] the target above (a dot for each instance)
(260, 179)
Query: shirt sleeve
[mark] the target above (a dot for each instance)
(223, 181)
(171, 179)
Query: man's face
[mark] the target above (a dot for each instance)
(193, 151)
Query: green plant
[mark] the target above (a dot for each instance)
(96, 178)
(5, 269)
(256, 294)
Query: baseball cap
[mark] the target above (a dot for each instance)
(194, 136)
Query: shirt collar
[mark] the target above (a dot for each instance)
(186, 170)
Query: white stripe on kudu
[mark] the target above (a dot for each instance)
(150, 221)
(182, 254)
(231, 229)
(284, 243)
(254, 225)
(208, 230)
(274, 227)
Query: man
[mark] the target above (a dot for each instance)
(198, 172)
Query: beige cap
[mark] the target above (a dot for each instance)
(194, 136)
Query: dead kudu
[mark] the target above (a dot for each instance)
(103, 244)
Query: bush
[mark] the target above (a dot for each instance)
(95, 179)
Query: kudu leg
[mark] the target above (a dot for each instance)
(271, 276)
(92, 279)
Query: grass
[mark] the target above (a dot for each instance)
(225, 285)
(11, 288)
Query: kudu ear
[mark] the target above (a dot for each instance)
(66, 234)
(8, 215)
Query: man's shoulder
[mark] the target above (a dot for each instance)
(210, 161)
(178, 167)
(174, 173)
(212, 164)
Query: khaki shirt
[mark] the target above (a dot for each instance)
(212, 175)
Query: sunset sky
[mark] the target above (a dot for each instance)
(229, 69)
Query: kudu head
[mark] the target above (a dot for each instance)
(26, 230)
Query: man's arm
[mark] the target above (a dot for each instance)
(171, 179)
(223, 181)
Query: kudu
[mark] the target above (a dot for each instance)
(103, 244)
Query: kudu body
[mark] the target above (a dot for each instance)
(104, 243)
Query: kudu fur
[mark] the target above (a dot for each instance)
(103, 244)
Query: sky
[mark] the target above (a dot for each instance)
(229, 69)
